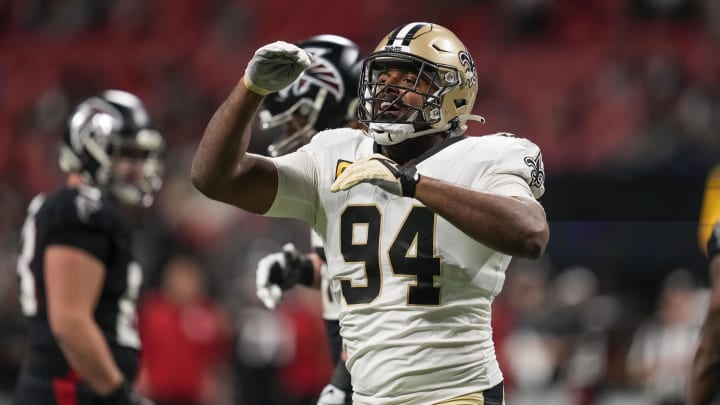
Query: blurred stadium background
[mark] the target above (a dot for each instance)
(622, 96)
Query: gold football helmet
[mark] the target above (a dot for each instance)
(440, 58)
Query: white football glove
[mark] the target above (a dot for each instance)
(332, 395)
(270, 294)
(275, 66)
(280, 271)
(380, 171)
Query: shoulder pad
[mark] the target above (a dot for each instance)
(84, 206)
(521, 157)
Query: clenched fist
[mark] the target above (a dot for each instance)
(275, 66)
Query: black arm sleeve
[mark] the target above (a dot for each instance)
(341, 377)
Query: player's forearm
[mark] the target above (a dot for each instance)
(87, 352)
(224, 143)
(510, 225)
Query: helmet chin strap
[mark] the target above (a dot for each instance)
(392, 134)
(463, 119)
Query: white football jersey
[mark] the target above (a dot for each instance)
(415, 291)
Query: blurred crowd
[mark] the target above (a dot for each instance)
(602, 86)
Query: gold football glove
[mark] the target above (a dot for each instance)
(380, 171)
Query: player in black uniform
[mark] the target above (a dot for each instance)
(78, 280)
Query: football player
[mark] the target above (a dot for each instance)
(324, 96)
(78, 280)
(704, 382)
(419, 222)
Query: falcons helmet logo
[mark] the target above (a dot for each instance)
(321, 73)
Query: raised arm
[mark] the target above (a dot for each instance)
(222, 169)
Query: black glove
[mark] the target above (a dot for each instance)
(713, 245)
(124, 395)
(280, 271)
(296, 269)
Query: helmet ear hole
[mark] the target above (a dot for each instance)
(460, 102)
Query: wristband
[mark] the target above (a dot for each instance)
(341, 377)
(120, 396)
(409, 177)
(254, 88)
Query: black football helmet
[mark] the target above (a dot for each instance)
(104, 128)
(325, 94)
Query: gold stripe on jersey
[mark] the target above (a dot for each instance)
(340, 167)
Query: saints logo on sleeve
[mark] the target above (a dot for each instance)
(537, 172)
(515, 165)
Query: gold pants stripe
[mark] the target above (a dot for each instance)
(475, 398)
